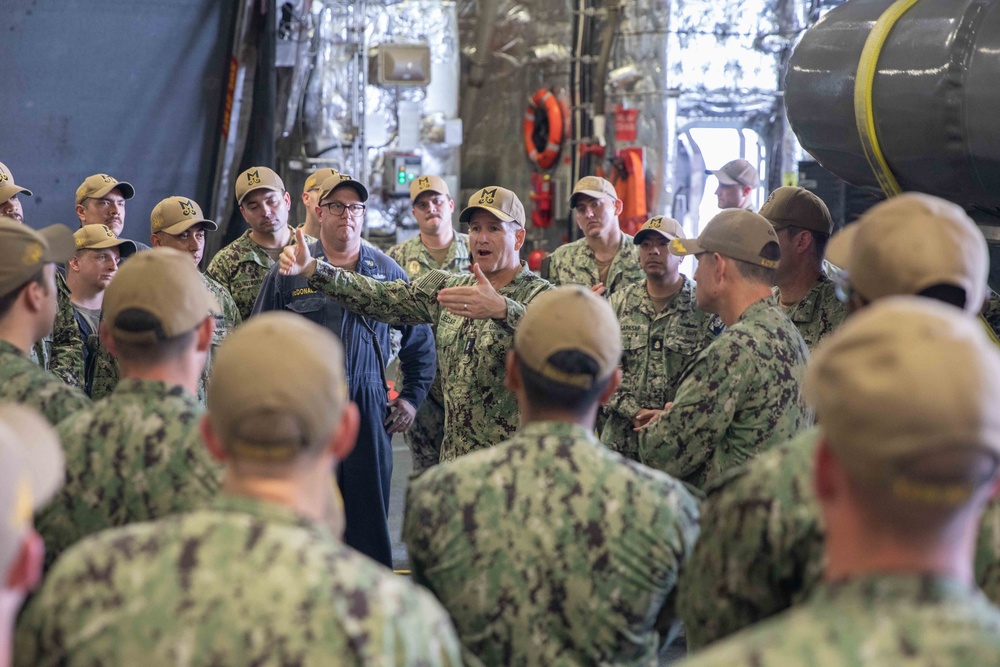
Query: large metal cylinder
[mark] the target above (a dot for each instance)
(935, 97)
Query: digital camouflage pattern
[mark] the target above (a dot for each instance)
(107, 373)
(479, 411)
(135, 455)
(23, 381)
(741, 395)
(575, 264)
(656, 349)
(240, 582)
(817, 314)
(889, 621)
(762, 548)
(67, 357)
(990, 316)
(550, 549)
(240, 267)
(424, 437)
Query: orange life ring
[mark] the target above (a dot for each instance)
(543, 128)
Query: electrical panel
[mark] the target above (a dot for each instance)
(400, 170)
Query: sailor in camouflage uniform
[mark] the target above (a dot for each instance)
(475, 316)
(258, 575)
(28, 296)
(662, 331)
(901, 473)
(741, 394)
(761, 550)
(242, 265)
(549, 549)
(437, 247)
(605, 255)
(178, 222)
(804, 291)
(81, 293)
(137, 454)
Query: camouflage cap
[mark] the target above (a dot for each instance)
(737, 172)
(909, 243)
(666, 227)
(95, 237)
(592, 186)
(790, 206)
(428, 183)
(163, 283)
(736, 233)
(24, 251)
(98, 185)
(7, 186)
(31, 471)
(272, 407)
(904, 378)
(175, 215)
(499, 201)
(569, 318)
(257, 178)
(331, 184)
(315, 179)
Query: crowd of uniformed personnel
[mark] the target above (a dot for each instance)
(790, 457)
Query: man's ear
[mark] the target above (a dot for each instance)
(205, 331)
(305, 198)
(519, 238)
(512, 377)
(26, 570)
(288, 199)
(609, 391)
(345, 434)
(74, 263)
(81, 213)
(212, 442)
(619, 206)
(154, 240)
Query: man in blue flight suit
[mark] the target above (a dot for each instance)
(364, 477)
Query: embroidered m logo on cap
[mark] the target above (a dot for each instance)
(488, 196)
(253, 177)
(187, 207)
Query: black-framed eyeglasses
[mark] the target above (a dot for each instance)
(337, 208)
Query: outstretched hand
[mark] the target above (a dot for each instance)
(296, 259)
(479, 302)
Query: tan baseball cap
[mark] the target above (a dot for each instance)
(24, 251)
(422, 184)
(737, 172)
(592, 186)
(790, 206)
(499, 201)
(166, 285)
(98, 185)
(31, 471)
(735, 233)
(909, 243)
(257, 178)
(315, 179)
(175, 215)
(903, 378)
(7, 186)
(666, 227)
(96, 237)
(341, 181)
(272, 407)
(569, 318)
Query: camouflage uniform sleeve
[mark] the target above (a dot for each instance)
(682, 441)
(623, 401)
(988, 552)
(395, 302)
(67, 356)
(515, 309)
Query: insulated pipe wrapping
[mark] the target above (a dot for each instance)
(934, 96)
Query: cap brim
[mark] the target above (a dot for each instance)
(358, 187)
(466, 214)
(188, 224)
(723, 177)
(60, 241)
(682, 247)
(596, 194)
(125, 188)
(839, 248)
(40, 448)
(8, 191)
(643, 233)
(125, 246)
(272, 188)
